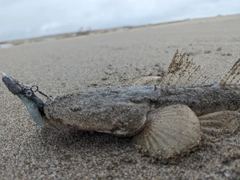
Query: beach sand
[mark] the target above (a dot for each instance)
(69, 65)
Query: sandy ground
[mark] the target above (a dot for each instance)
(69, 65)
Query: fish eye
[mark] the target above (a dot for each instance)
(28, 93)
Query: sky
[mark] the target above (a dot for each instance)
(21, 19)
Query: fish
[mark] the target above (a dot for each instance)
(166, 119)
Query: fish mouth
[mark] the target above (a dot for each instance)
(13, 85)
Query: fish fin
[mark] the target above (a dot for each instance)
(169, 132)
(232, 77)
(184, 73)
(219, 124)
(147, 80)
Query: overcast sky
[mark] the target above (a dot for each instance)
(28, 18)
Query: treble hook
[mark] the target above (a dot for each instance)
(35, 88)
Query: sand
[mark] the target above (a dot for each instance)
(69, 65)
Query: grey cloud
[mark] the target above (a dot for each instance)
(26, 18)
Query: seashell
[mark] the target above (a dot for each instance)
(169, 131)
(215, 125)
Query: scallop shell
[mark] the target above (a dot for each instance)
(215, 125)
(170, 131)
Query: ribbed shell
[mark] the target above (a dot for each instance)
(170, 131)
(217, 124)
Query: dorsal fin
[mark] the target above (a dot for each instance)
(233, 76)
(184, 73)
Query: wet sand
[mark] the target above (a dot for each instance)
(69, 65)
